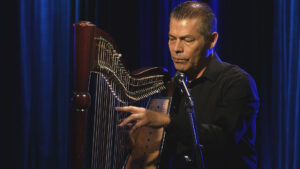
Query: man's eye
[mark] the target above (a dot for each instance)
(189, 40)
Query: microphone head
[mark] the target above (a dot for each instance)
(180, 77)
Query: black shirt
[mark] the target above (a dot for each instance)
(226, 105)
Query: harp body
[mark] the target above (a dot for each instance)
(101, 83)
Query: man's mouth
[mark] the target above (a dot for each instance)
(179, 60)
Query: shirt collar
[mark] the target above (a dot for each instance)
(213, 69)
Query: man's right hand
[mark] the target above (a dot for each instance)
(143, 117)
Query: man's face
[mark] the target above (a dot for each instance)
(187, 46)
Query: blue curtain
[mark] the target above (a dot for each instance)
(45, 43)
(281, 121)
(263, 37)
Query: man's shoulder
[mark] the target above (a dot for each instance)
(234, 72)
(237, 79)
(220, 71)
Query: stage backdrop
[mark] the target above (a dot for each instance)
(263, 37)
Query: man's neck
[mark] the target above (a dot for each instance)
(196, 74)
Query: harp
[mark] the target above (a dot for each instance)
(101, 83)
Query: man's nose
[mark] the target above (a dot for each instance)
(178, 47)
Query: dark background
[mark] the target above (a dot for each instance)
(262, 37)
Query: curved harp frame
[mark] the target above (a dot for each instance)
(96, 52)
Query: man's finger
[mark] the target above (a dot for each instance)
(123, 113)
(126, 109)
(136, 126)
(129, 119)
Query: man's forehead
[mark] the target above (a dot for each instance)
(187, 19)
(187, 22)
(184, 25)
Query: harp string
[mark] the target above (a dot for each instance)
(114, 87)
(108, 65)
(109, 121)
(94, 147)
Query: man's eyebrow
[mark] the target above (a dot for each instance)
(182, 37)
(186, 36)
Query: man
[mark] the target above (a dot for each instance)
(225, 97)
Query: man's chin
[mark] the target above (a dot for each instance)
(180, 69)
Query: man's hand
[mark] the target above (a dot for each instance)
(144, 117)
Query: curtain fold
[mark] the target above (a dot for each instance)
(45, 36)
(283, 137)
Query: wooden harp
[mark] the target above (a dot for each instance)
(101, 83)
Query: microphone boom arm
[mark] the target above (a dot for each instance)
(180, 79)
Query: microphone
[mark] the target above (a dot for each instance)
(180, 79)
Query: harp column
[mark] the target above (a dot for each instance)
(83, 37)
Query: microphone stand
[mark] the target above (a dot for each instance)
(189, 104)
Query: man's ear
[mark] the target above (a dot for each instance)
(213, 39)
